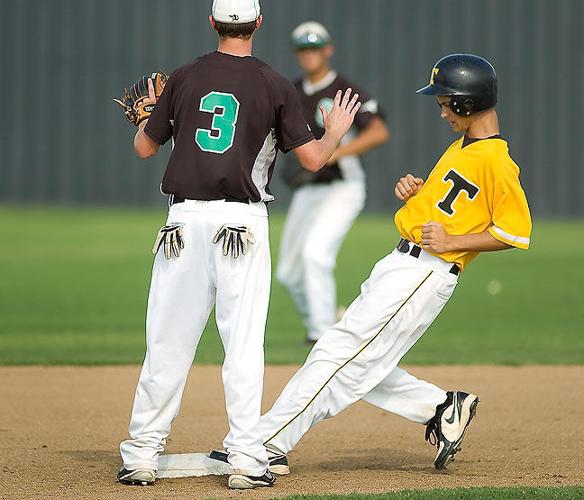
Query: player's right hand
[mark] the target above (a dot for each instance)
(407, 187)
(340, 118)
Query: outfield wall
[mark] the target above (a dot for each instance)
(64, 141)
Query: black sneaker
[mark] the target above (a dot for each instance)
(447, 427)
(278, 464)
(138, 477)
(241, 482)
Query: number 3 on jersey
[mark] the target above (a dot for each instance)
(224, 108)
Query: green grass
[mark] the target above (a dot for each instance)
(517, 493)
(74, 283)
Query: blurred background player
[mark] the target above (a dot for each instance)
(324, 204)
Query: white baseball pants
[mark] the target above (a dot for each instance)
(358, 357)
(182, 294)
(319, 217)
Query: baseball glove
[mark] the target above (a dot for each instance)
(137, 102)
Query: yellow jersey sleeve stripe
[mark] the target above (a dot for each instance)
(510, 239)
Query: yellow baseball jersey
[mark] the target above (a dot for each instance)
(471, 189)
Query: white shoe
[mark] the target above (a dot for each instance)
(241, 482)
(138, 477)
(447, 427)
(277, 463)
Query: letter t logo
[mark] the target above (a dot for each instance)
(459, 183)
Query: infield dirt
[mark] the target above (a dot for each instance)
(60, 428)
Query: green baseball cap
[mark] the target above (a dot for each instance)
(310, 35)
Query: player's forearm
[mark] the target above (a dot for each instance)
(374, 135)
(314, 155)
(143, 145)
(478, 242)
(328, 143)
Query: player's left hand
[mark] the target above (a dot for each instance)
(435, 239)
(138, 102)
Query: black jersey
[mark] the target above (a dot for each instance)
(227, 116)
(312, 97)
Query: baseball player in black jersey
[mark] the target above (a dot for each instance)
(325, 203)
(228, 114)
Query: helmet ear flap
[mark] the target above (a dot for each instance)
(462, 105)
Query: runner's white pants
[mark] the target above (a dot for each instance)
(319, 217)
(182, 294)
(357, 358)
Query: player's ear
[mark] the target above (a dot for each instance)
(259, 22)
(329, 50)
(212, 23)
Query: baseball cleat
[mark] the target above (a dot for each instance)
(241, 482)
(137, 477)
(447, 427)
(277, 464)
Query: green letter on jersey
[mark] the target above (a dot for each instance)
(224, 108)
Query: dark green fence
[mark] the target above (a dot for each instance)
(64, 141)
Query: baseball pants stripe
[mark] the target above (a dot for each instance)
(349, 360)
(397, 304)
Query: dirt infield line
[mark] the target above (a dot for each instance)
(60, 428)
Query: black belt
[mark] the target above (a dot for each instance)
(404, 247)
(172, 199)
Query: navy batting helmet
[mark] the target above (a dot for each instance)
(470, 80)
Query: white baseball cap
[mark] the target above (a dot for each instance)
(236, 11)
